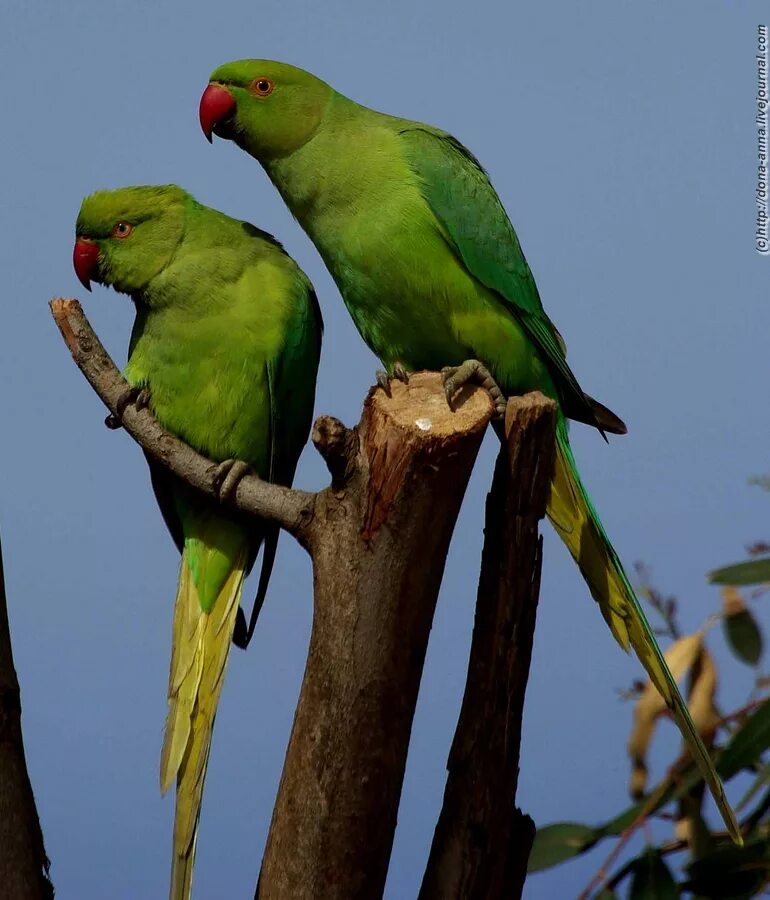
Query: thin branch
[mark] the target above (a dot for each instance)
(291, 509)
(482, 841)
(601, 877)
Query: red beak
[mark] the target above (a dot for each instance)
(84, 258)
(216, 105)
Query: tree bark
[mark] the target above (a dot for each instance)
(378, 537)
(482, 841)
(379, 541)
(23, 862)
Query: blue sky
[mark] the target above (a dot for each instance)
(620, 137)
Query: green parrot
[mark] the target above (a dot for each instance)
(431, 270)
(225, 349)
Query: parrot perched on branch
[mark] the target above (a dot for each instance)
(431, 270)
(225, 349)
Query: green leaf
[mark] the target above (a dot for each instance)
(754, 571)
(762, 779)
(747, 744)
(729, 872)
(555, 843)
(563, 840)
(743, 636)
(685, 781)
(652, 879)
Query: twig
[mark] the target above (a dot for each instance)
(602, 874)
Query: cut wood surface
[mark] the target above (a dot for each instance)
(379, 543)
(378, 536)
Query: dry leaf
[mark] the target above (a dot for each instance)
(685, 655)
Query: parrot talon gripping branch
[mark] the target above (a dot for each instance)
(473, 372)
(440, 278)
(399, 373)
(135, 396)
(378, 537)
(227, 342)
(227, 476)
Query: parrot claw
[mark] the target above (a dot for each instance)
(473, 372)
(227, 476)
(139, 397)
(399, 373)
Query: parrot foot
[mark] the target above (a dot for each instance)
(399, 374)
(227, 476)
(473, 372)
(138, 397)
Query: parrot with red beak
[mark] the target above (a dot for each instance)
(225, 348)
(431, 270)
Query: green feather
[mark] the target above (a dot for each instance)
(463, 200)
(227, 340)
(432, 273)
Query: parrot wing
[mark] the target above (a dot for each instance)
(478, 229)
(291, 411)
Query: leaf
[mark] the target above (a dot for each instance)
(548, 839)
(681, 656)
(753, 571)
(563, 840)
(691, 826)
(702, 692)
(741, 630)
(763, 777)
(747, 744)
(626, 819)
(743, 636)
(652, 879)
(730, 872)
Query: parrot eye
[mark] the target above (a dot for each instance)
(263, 86)
(122, 230)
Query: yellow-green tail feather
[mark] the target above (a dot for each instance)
(201, 646)
(577, 524)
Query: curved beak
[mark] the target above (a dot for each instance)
(84, 259)
(217, 103)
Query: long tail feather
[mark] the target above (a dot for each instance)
(199, 657)
(577, 524)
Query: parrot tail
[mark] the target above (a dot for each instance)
(200, 649)
(577, 524)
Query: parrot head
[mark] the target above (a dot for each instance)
(124, 238)
(268, 108)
